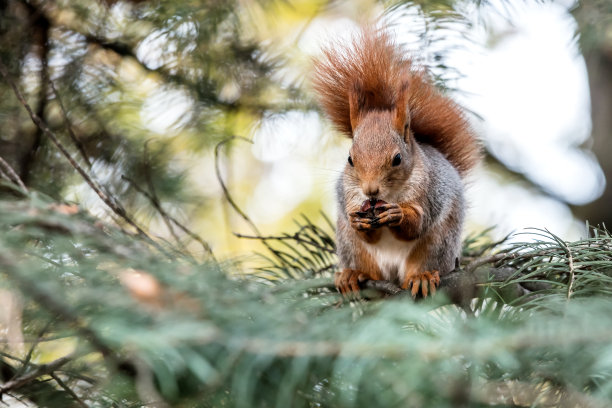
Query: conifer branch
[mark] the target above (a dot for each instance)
(7, 171)
(39, 371)
(69, 390)
(75, 139)
(35, 343)
(230, 199)
(62, 311)
(111, 202)
(519, 393)
(169, 218)
(296, 237)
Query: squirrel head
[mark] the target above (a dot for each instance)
(382, 155)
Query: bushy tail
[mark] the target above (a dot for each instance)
(379, 69)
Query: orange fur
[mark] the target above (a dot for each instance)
(370, 236)
(373, 74)
(367, 269)
(411, 223)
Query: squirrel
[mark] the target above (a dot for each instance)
(401, 200)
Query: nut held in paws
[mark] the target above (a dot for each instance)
(370, 208)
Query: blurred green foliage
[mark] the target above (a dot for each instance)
(100, 73)
(127, 323)
(141, 325)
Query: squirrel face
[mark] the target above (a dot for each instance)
(380, 159)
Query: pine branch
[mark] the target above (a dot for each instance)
(113, 204)
(62, 311)
(69, 390)
(517, 393)
(11, 175)
(170, 219)
(459, 286)
(28, 356)
(42, 393)
(75, 139)
(213, 338)
(230, 199)
(39, 371)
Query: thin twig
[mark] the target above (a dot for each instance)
(41, 29)
(489, 259)
(164, 214)
(5, 167)
(43, 369)
(111, 203)
(77, 141)
(16, 398)
(71, 374)
(459, 285)
(570, 259)
(570, 285)
(502, 256)
(153, 199)
(68, 390)
(153, 194)
(516, 393)
(231, 201)
(58, 308)
(386, 287)
(295, 237)
(490, 245)
(28, 357)
(11, 357)
(226, 193)
(5, 176)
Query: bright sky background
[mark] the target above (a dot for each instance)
(523, 75)
(518, 68)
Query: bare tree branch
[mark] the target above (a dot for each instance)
(231, 201)
(28, 357)
(518, 393)
(461, 286)
(43, 369)
(112, 203)
(11, 174)
(167, 217)
(57, 308)
(40, 27)
(75, 139)
(294, 237)
(68, 390)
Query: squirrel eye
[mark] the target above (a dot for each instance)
(351, 161)
(396, 160)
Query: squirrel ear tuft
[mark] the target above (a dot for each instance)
(356, 103)
(401, 120)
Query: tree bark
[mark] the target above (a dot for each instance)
(597, 49)
(461, 286)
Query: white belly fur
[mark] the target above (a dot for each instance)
(390, 254)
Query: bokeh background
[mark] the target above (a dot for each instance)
(141, 92)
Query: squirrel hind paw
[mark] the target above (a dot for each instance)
(427, 282)
(347, 281)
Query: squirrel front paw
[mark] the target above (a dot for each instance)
(347, 280)
(426, 281)
(361, 223)
(368, 216)
(390, 214)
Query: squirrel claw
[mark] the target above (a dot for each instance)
(390, 215)
(361, 223)
(426, 281)
(347, 281)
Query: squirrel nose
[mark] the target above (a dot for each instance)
(370, 189)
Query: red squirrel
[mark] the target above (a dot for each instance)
(401, 195)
